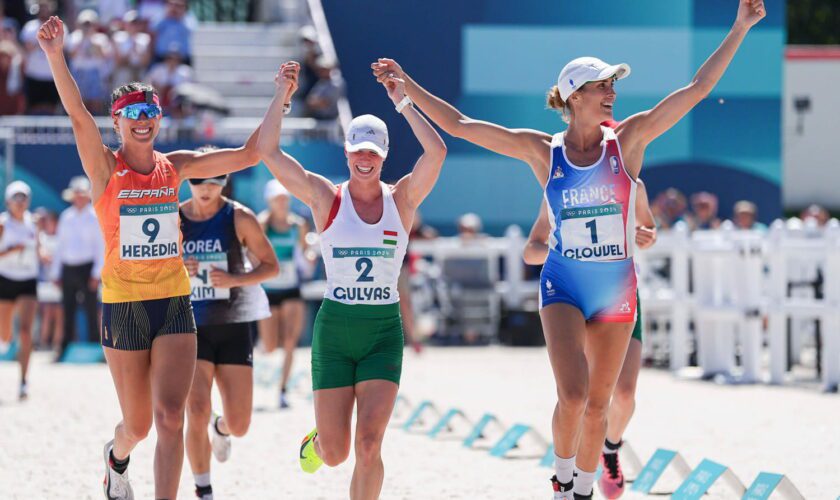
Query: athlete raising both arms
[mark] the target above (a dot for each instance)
(148, 329)
(357, 343)
(588, 284)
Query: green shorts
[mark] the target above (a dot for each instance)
(637, 330)
(353, 343)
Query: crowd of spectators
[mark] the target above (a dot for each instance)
(104, 47)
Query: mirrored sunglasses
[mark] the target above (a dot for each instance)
(133, 111)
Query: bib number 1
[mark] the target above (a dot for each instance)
(593, 230)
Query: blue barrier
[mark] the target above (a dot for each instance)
(767, 482)
(417, 414)
(511, 439)
(83, 353)
(702, 478)
(443, 423)
(477, 431)
(654, 468)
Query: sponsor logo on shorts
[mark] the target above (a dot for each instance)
(549, 287)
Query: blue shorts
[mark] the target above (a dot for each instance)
(133, 326)
(603, 291)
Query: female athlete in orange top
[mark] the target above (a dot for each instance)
(148, 326)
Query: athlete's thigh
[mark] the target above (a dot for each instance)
(202, 385)
(130, 371)
(631, 367)
(565, 332)
(334, 412)
(236, 385)
(26, 308)
(606, 347)
(173, 367)
(376, 404)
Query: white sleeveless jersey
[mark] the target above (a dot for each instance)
(363, 260)
(23, 264)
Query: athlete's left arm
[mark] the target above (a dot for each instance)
(414, 187)
(251, 235)
(536, 248)
(192, 164)
(639, 130)
(645, 223)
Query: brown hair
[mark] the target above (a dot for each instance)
(555, 102)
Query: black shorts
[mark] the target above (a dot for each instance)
(277, 297)
(133, 326)
(12, 289)
(40, 91)
(227, 344)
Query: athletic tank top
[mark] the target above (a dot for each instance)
(284, 245)
(214, 244)
(138, 215)
(20, 265)
(363, 260)
(591, 209)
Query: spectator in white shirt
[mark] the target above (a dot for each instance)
(91, 60)
(41, 94)
(78, 259)
(133, 49)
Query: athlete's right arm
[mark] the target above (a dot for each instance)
(536, 249)
(97, 160)
(530, 146)
(313, 189)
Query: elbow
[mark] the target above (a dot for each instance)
(272, 267)
(438, 151)
(459, 127)
(701, 89)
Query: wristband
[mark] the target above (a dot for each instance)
(406, 101)
(287, 108)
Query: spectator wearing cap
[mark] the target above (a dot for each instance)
(133, 50)
(469, 228)
(322, 100)
(78, 259)
(816, 213)
(91, 59)
(744, 216)
(174, 30)
(704, 206)
(41, 94)
(669, 207)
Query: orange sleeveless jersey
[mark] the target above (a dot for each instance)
(138, 215)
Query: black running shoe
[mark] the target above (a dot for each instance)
(562, 491)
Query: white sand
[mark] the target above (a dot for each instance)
(50, 446)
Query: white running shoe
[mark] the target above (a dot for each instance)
(219, 442)
(116, 485)
(23, 393)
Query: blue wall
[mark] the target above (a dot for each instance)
(496, 63)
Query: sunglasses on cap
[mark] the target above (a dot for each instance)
(133, 111)
(219, 180)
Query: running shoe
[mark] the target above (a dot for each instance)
(309, 460)
(204, 492)
(611, 482)
(583, 497)
(284, 402)
(116, 485)
(219, 442)
(23, 392)
(562, 491)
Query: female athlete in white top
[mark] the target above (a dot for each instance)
(586, 351)
(364, 224)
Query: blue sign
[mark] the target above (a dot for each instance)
(478, 430)
(653, 469)
(509, 440)
(444, 422)
(699, 480)
(763, 486)
(415, 416)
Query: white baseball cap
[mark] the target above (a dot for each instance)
(18, 187)
(273, 189)
(367, 132)
(79, 184)
(587, 69)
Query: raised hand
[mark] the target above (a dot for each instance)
(395, 87)
(750, 12)
(384, 67)
(51, 36)
(286, 79)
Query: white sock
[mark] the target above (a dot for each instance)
(583, 482)
(202, 479)
(564, 468)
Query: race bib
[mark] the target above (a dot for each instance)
(593, 233)
(201, 284)
(285, 279)
(149, 232)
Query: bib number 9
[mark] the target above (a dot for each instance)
(151, 228)
(364, 266)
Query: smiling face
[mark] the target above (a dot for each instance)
(140, 131)
(595, 99)
(364, 164)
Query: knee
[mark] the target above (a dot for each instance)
(368, 449)
(596, 409)
(572, 399)
(625, 396)
(136, 429)
(198, 411)
(169, 418)
(238, 424)
(333, 453)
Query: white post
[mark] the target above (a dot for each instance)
(831, 317)
(679, 281)
(751, 278)
(514, 266)
(777, 294)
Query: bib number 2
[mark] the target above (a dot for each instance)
(364, 266)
